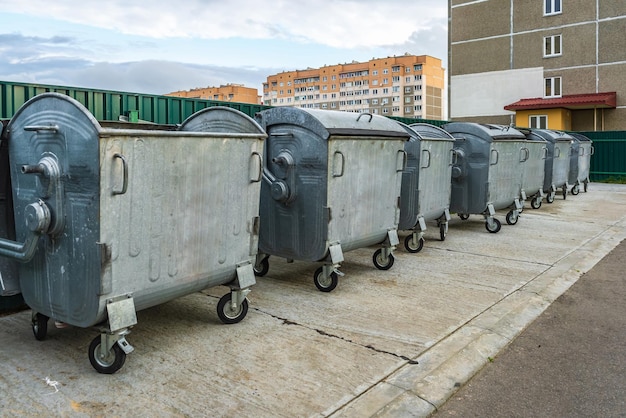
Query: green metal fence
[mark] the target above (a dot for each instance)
(608, 162)
(110, 105)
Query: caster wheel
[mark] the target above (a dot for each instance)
(464, 216)
(325, 284)
(380, 263)
(412, 246)
(575, 190)
(443, 230)
(263, 267)
(550, 197)
(109, 364)
(40, 326)
(511, 218)
(585, 186)
(228, 315)
(495, 227)
(535, 203)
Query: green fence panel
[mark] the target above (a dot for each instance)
(608, 162)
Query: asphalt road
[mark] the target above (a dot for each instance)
(570, 362)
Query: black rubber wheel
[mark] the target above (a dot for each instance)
(585, 186)
(411, 246)
(564, 192)
(226, 314)
(442, 231)
(378, 260)
(325, 284)
(496, 228)
(464, 216)
(535, 203)
(575, 190)
(40, 326)
(111, 363)
(511, 218)
(550, 197)
(262, 269)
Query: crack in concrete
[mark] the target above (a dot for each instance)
(339, 337)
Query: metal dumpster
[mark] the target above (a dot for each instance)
(425, 194)
(331, 184)
(580, 162)
(9, 281)
(533, 177)
(112, 218)
(557, 161)
(487, 173)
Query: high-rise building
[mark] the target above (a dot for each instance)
(559, 64)
(225, 93)
(407, 86)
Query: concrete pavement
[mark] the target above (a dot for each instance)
(383, 343)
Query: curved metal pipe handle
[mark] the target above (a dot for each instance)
(339, 162)
(125, 181)
(256, 167)
(366, 114)
(425, 152)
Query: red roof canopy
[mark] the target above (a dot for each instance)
(573, 101)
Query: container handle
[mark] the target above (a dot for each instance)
(454, 157)
(256, 167)
(37, 128)
(425, 152)
(557, 152)
(401, 162)
(524, 154)
(593, 150)
(338, 163)
(125, 168)
(366, 114)
(545, 153)
(497, 154)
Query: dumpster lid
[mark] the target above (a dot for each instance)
(220, 119)
(487, 132)
(326, 123)
(552, 136)
(580, 137)
(428, 131)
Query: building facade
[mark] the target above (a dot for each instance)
(406, 86)
(559, 64)
(225, 93)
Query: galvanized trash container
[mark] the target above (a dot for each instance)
(557, 164)
(487, 173)
(112, 218)
(580, 162)
(426, 183)
(533, 177)
(331, 184)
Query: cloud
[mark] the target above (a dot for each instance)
(335, 23)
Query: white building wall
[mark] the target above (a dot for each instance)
(486, 94)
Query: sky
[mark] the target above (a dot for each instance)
(160, 46)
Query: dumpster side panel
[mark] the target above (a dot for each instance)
(62, 280)
(470, 179)
(534, 167)
(188, 216)
(364, 195)
(409, 204)
(505, 173)
(294, 223)
(9, 279)
(434, 178)
(561, 163)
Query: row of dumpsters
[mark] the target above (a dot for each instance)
(103, 219)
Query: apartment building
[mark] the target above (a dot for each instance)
(224, 93)
(407, 86)
(559, 64)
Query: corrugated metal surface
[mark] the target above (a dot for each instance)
(110, 105)
(607, 161)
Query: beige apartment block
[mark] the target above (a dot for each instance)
(559, 64)
(225, 93)
(407, 86)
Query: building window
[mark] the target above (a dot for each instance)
(552, 46)
(417, 67)
(553, 87)
(407, 99)
(551, 7)
(407, 89)
(538, 121)
(408, 110)
(385, 71)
